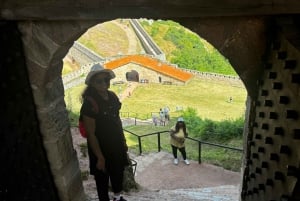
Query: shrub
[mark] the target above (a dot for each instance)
(214, 131)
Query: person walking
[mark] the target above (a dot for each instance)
(162, 117)
(178, 133)
(107, 147)
(167, 113)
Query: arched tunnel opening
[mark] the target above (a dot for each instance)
(272, 123)
(233, 95)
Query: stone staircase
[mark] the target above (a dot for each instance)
(220, 193)
(160, 179)
(198, 182)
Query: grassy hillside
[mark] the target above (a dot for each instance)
(209, 98)
(185, 48)
(106, 39)
(180, 45)
(109, 38)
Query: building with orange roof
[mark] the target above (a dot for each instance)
(144, 69)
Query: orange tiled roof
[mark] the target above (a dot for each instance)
(150, 63)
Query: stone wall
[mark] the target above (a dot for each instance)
(45, 44)
(144, 74)
(241, 30)
(25, 173)
(272, 157)
(83, 55)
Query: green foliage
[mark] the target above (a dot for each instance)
(213, 131)
(228, 129)
(228, 159)
(191, 52)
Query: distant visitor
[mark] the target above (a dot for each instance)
(178, 133)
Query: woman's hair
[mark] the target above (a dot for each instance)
(88, 91)
(177, 127)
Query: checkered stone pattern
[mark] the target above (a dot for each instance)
(273, 154)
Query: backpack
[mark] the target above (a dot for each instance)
(81, 127)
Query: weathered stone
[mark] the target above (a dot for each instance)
(68, 179)
(60, 150)
(245, 37)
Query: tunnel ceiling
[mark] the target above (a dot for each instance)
(111, 9)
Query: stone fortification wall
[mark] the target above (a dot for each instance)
(82, 55)
(234, 80)
(149, 45)
(77, 77)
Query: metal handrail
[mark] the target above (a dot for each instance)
(200, 142)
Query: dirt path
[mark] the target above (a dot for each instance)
(128, 91)
(131, 36)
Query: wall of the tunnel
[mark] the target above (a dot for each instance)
(59, 140)
(45, 45)
(272, 157)
(24, 169)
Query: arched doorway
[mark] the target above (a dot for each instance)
(48, 90)
(132, 76)
(59, 131)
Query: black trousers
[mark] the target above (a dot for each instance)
(182, 151)
(102, 182)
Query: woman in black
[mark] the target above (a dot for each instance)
(106, 142)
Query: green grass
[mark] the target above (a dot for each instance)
(209, 98)
(108, 39)
(67, 68)
(186, 49)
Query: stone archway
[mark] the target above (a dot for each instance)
(46, 44)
